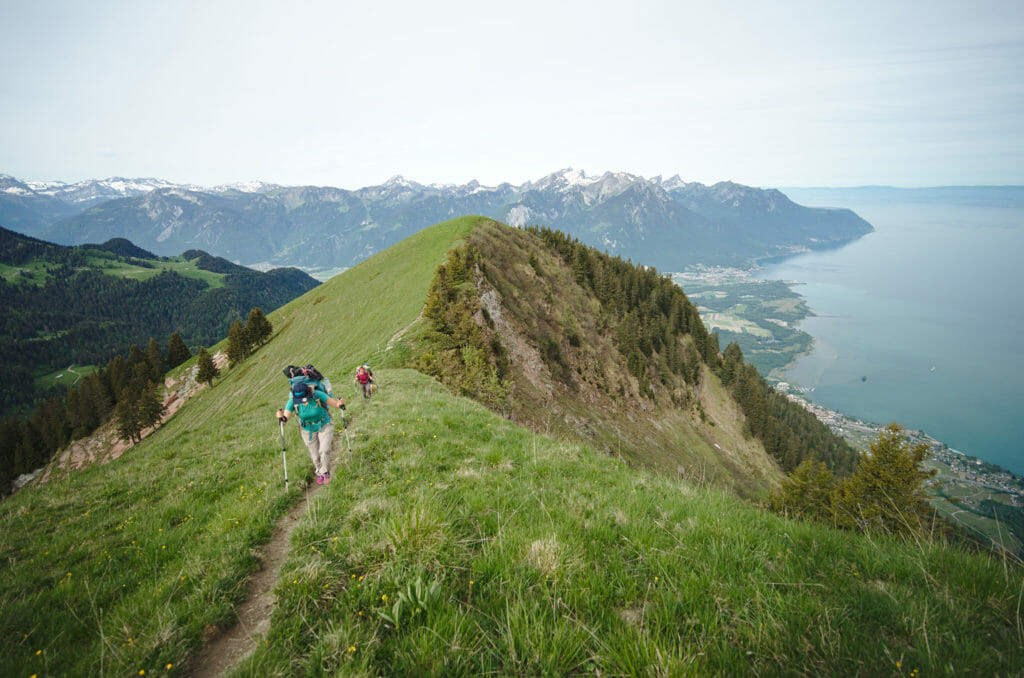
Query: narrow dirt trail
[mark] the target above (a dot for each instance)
(400, 333)
(226, 649)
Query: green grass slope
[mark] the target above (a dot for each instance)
(552, 559)
(453, 542)
(587, 392)
(121, 567)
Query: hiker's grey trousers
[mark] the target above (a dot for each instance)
(319, 445)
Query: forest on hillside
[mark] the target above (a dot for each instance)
(63, 306)
(653, 312)
(127, 391)
(652, 324)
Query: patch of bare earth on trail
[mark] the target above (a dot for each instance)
(224, 649)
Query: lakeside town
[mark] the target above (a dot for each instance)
(958, 466)
(741, 308)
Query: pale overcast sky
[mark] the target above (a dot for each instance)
(789, 93)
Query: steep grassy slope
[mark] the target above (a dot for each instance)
(551, 559)
(586, 389)
(548, 557)
(120, 567)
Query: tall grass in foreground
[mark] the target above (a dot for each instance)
(453, 543)
(123, 567)
(118, 569)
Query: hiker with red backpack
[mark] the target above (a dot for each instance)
(310, 399)
(364, 377)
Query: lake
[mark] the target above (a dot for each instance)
(921, 321)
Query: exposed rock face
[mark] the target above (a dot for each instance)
(104, 446)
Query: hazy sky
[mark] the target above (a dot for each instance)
(789, 93)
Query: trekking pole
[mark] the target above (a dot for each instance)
(284, 458)
(344, 425)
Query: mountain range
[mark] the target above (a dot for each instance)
(667, 223)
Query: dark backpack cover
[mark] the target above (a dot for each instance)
(308, 375)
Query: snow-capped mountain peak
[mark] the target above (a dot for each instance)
(563, 180)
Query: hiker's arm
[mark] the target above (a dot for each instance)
(336, 402)
(282, 415)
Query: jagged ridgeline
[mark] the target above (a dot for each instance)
(569, 340)
(454, 542)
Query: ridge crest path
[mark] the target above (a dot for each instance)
(225, 649)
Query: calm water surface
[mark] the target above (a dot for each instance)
(921, 323)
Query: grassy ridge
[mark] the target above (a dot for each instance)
(551, 559)
(588, 401)
(548, 557)
(120, 567)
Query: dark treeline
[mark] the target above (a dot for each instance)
(127, 388)
(655, 318)
(652, 312)
(460, 354)
(81, 315)
(28, 443)
(790, 433)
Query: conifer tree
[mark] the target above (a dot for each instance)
(118, 374)
(258, 327)
(886, 493)
(207, 369)
(126, 413)
(691, 363)
(711, 350)
(74, 408)
(238, 343)
(580, 264)
(27, 455)
(732, 362)
(155, 360)
(807, 492)
(139, 374)
(94, 403)
(50, 420)
(9, 438)
(177, 351)
(151, 407)
(135, 356)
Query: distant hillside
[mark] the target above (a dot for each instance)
(666, 223)
(83, 305)
(974, 196)
(452, 541)
(126, 248)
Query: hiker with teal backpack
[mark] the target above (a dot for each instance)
(311, 399)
